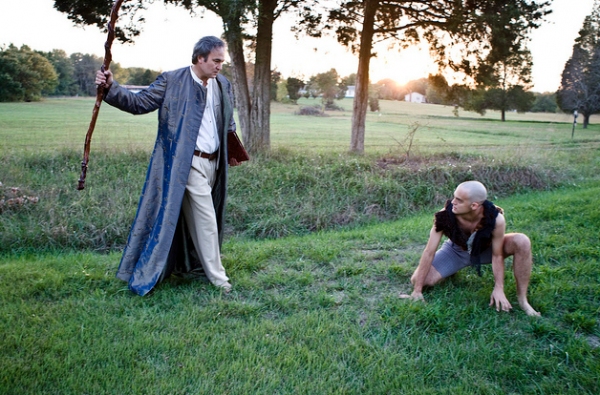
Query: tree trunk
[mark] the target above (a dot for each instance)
(260, 112)
(586, 120)
(361, 98)
(235, 46)
(503, 116)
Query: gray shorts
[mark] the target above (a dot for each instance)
(451, 258)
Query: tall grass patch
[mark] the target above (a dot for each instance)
(283, 193)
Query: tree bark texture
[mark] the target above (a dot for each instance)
(361, 98)
(235, 45)
(260, 111)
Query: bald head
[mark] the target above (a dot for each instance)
(475, 191)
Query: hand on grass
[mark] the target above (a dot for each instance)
(498, 299)
(415, 296)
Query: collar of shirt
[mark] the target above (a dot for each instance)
(209, 82)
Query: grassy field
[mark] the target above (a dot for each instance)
(320, 244)
(318, 314)
(58, 124)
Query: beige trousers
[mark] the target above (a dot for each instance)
(200, 216)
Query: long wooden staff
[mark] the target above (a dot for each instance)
(114, 14)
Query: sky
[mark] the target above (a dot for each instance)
(169, 34)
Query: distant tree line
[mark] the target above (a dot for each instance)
(329, 86)
(28, 75)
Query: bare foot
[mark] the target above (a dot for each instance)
(528, 309)
(413, 296)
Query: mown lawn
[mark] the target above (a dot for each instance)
(314, 314)
(319, 246)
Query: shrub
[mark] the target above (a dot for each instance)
(311, 110)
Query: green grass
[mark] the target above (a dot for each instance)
(319, 245)
(306, 183)
(57, 124)
(314, 314)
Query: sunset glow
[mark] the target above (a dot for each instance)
(402, 66)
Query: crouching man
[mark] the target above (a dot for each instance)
(475, 229)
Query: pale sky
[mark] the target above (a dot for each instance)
(170, 32)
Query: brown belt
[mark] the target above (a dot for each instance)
(212, 156)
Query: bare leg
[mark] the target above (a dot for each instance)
(433, 277)
(519, 246)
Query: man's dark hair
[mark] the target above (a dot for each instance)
(205, 46)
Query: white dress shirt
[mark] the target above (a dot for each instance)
(208, 138)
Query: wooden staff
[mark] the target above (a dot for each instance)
(100, 90)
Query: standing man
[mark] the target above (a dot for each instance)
(186, 184)
(475, 228)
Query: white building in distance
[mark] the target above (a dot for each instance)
(415, 97)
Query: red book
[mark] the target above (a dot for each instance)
(235, 149)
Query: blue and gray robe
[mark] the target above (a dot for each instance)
(157, 243)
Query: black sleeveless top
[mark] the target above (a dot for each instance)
(445, 222)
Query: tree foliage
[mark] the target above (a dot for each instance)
(85, 67)
(328, 86)
(481, 31)
(545, 102)
(247, 24)
(25, 75)
(580, 82)
(29, 75)
(504, 81)
(97, 13)
(293, 88)
(65, 72)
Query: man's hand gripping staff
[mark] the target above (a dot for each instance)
(100, 91)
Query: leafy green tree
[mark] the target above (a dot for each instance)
(474, 28)
(580, 83)
(65, 71)
(275, 78)
(342, 89)
(12, 90)
(85, 67)
(434, 95)
(328, 84)
(25, 75)
(514, 98)
(545, 102)
(504, 81)
(437, 91)
(293, 88)
(140, 76)
(282, 92)
(374, 98)
(456, 95)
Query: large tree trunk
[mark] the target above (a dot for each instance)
(586, 120)
(503, 115)
(361, 98)
(235, 46)
(260, 112)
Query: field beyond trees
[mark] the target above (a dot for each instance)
(319, 244)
